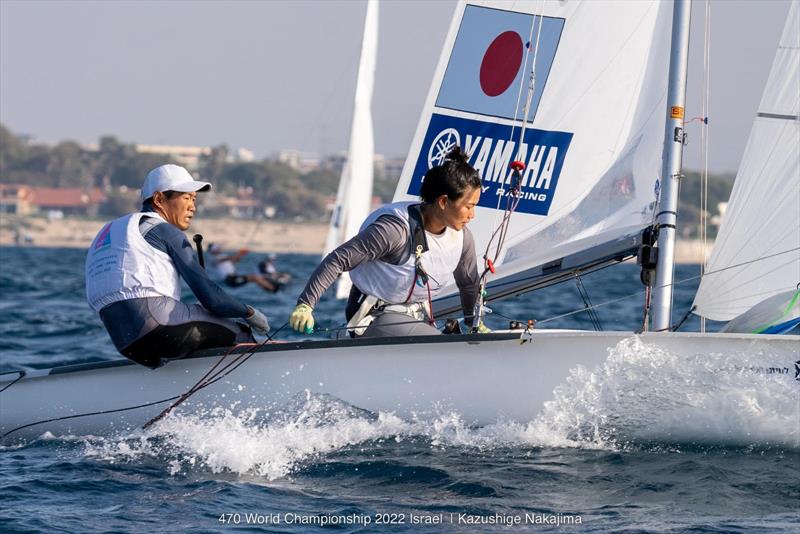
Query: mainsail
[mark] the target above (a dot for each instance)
(597, 75)
(354, 196)
(757, 251)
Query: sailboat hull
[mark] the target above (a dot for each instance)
(482, 378)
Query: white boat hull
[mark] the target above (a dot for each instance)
(483, 378)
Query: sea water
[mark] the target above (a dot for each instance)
(588, 462)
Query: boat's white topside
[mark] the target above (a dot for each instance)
(482, 377)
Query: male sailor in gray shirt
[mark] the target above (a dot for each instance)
(133, 272)
(403, 256)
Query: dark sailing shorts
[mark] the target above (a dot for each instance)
(154, 330)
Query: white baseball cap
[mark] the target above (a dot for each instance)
(171, 178)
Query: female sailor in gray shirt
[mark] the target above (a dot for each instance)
(133, 272)
(404, 254)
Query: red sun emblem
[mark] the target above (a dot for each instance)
(501, 63)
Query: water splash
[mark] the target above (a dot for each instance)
(642, 395)
(646, 394)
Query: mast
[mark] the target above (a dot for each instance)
(666, 219)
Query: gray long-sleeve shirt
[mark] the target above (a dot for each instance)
(387, 239)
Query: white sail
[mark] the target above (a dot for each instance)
(593, 146)
(354, 197)
(757, 251)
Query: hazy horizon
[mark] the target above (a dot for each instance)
(279, 75)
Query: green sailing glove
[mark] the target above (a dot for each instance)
(301, 319)
(483, 329)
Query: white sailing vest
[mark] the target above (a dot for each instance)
(121, 265)
(392, 283)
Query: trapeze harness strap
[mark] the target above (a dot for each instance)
(121, 265)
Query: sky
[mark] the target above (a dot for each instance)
(267, 74)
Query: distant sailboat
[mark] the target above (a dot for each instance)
(354, 197)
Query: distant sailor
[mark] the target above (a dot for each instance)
(133, 273)
(224, 269)
(404, 254)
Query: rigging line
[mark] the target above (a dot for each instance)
(526, 112)
(748, 262)
(686, 316)
(522, 79)
(516, 112)
(210, 378)
(334, 89)
(593, 317)
(708, 273)
(570, 204)
(145, 405)
(764, 222)
(189, 392)
(638, 293)
(75, 416)
(770, 292)
(222, 373)
(782, 237)
(532, 84)
(704, 146)
(21, 374)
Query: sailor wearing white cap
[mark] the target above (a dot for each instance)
(133, 272)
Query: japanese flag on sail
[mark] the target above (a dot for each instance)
(490, 65)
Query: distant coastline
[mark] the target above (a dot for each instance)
(231, 234)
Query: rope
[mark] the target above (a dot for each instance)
(522, 81)
(704, 143)
(21, 374)
(526, 113)
(102, 412)
(532, 84)
(222, 373)
(689, 279)
(210, 377)
(588, 303)
(677, 326)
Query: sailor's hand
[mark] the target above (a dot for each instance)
(257, 321)
(301, 319)
(483, 329)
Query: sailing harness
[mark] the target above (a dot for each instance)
(371, 305)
